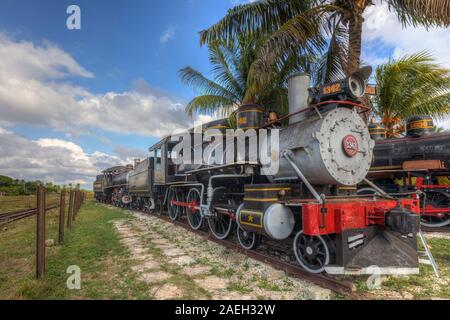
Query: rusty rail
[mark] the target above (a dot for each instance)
(445, 229)
(9, 217)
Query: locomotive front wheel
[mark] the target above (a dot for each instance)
(193, 214)
(435, 221)
(220, 225)
(248, 240)
(312, 252)
(171, 208)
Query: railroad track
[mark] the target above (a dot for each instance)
(445, 229)
(9, 217)
(336, 285)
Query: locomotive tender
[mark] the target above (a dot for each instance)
(324, 151)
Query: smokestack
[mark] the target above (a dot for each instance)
(298, 95)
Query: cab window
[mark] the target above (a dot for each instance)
(158, 159)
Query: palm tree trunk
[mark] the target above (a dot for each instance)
(354, 45)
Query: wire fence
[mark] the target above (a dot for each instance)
(38, 206)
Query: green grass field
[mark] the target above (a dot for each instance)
(92, 245)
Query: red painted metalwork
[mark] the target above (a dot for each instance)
(193, 206)
(339, 102)
(429, 209)
(335, 217)
(420, 185)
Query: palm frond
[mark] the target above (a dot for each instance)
(425, 12)
(223, 58)
(331, 65)
(300, 35)
(256, 18)
(205, 86)
(210, 104)
(412, 85)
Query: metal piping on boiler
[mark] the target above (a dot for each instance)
(287, 155)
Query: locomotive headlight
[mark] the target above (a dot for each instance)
(356, 83)
(355, 86)
(352, 87)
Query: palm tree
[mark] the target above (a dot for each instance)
(302, 24)
(412, 85)
(231, 63)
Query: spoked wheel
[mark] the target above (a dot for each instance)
(435, 221)
(220, 225)
(312, 252)
(172, 208)
(193, 213)
(248, 240)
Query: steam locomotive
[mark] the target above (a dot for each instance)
(419, 161)
(324, 149)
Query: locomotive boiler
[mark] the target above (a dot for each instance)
(324, 151)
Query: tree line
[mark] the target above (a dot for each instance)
(15, 187)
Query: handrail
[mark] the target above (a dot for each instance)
(343, 102)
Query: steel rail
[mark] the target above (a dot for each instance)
(445, 229)
(9, 217)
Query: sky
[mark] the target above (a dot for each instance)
(73, 102)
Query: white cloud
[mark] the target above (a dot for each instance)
(167, 35)
(34, 90)
(51, 160)
(27, 60)
(383, 26)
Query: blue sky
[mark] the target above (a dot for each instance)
(74, 101)
(120, 42)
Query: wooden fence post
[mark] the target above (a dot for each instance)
(40, 232)
(75, 201)
(70, 216)
(62, 207)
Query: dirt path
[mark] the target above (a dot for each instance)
(177, 264)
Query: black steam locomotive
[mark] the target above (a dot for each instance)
(321, 154)
(420, 161)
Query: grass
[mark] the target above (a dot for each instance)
(92, 245)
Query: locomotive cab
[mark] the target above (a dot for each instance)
(162, 157)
